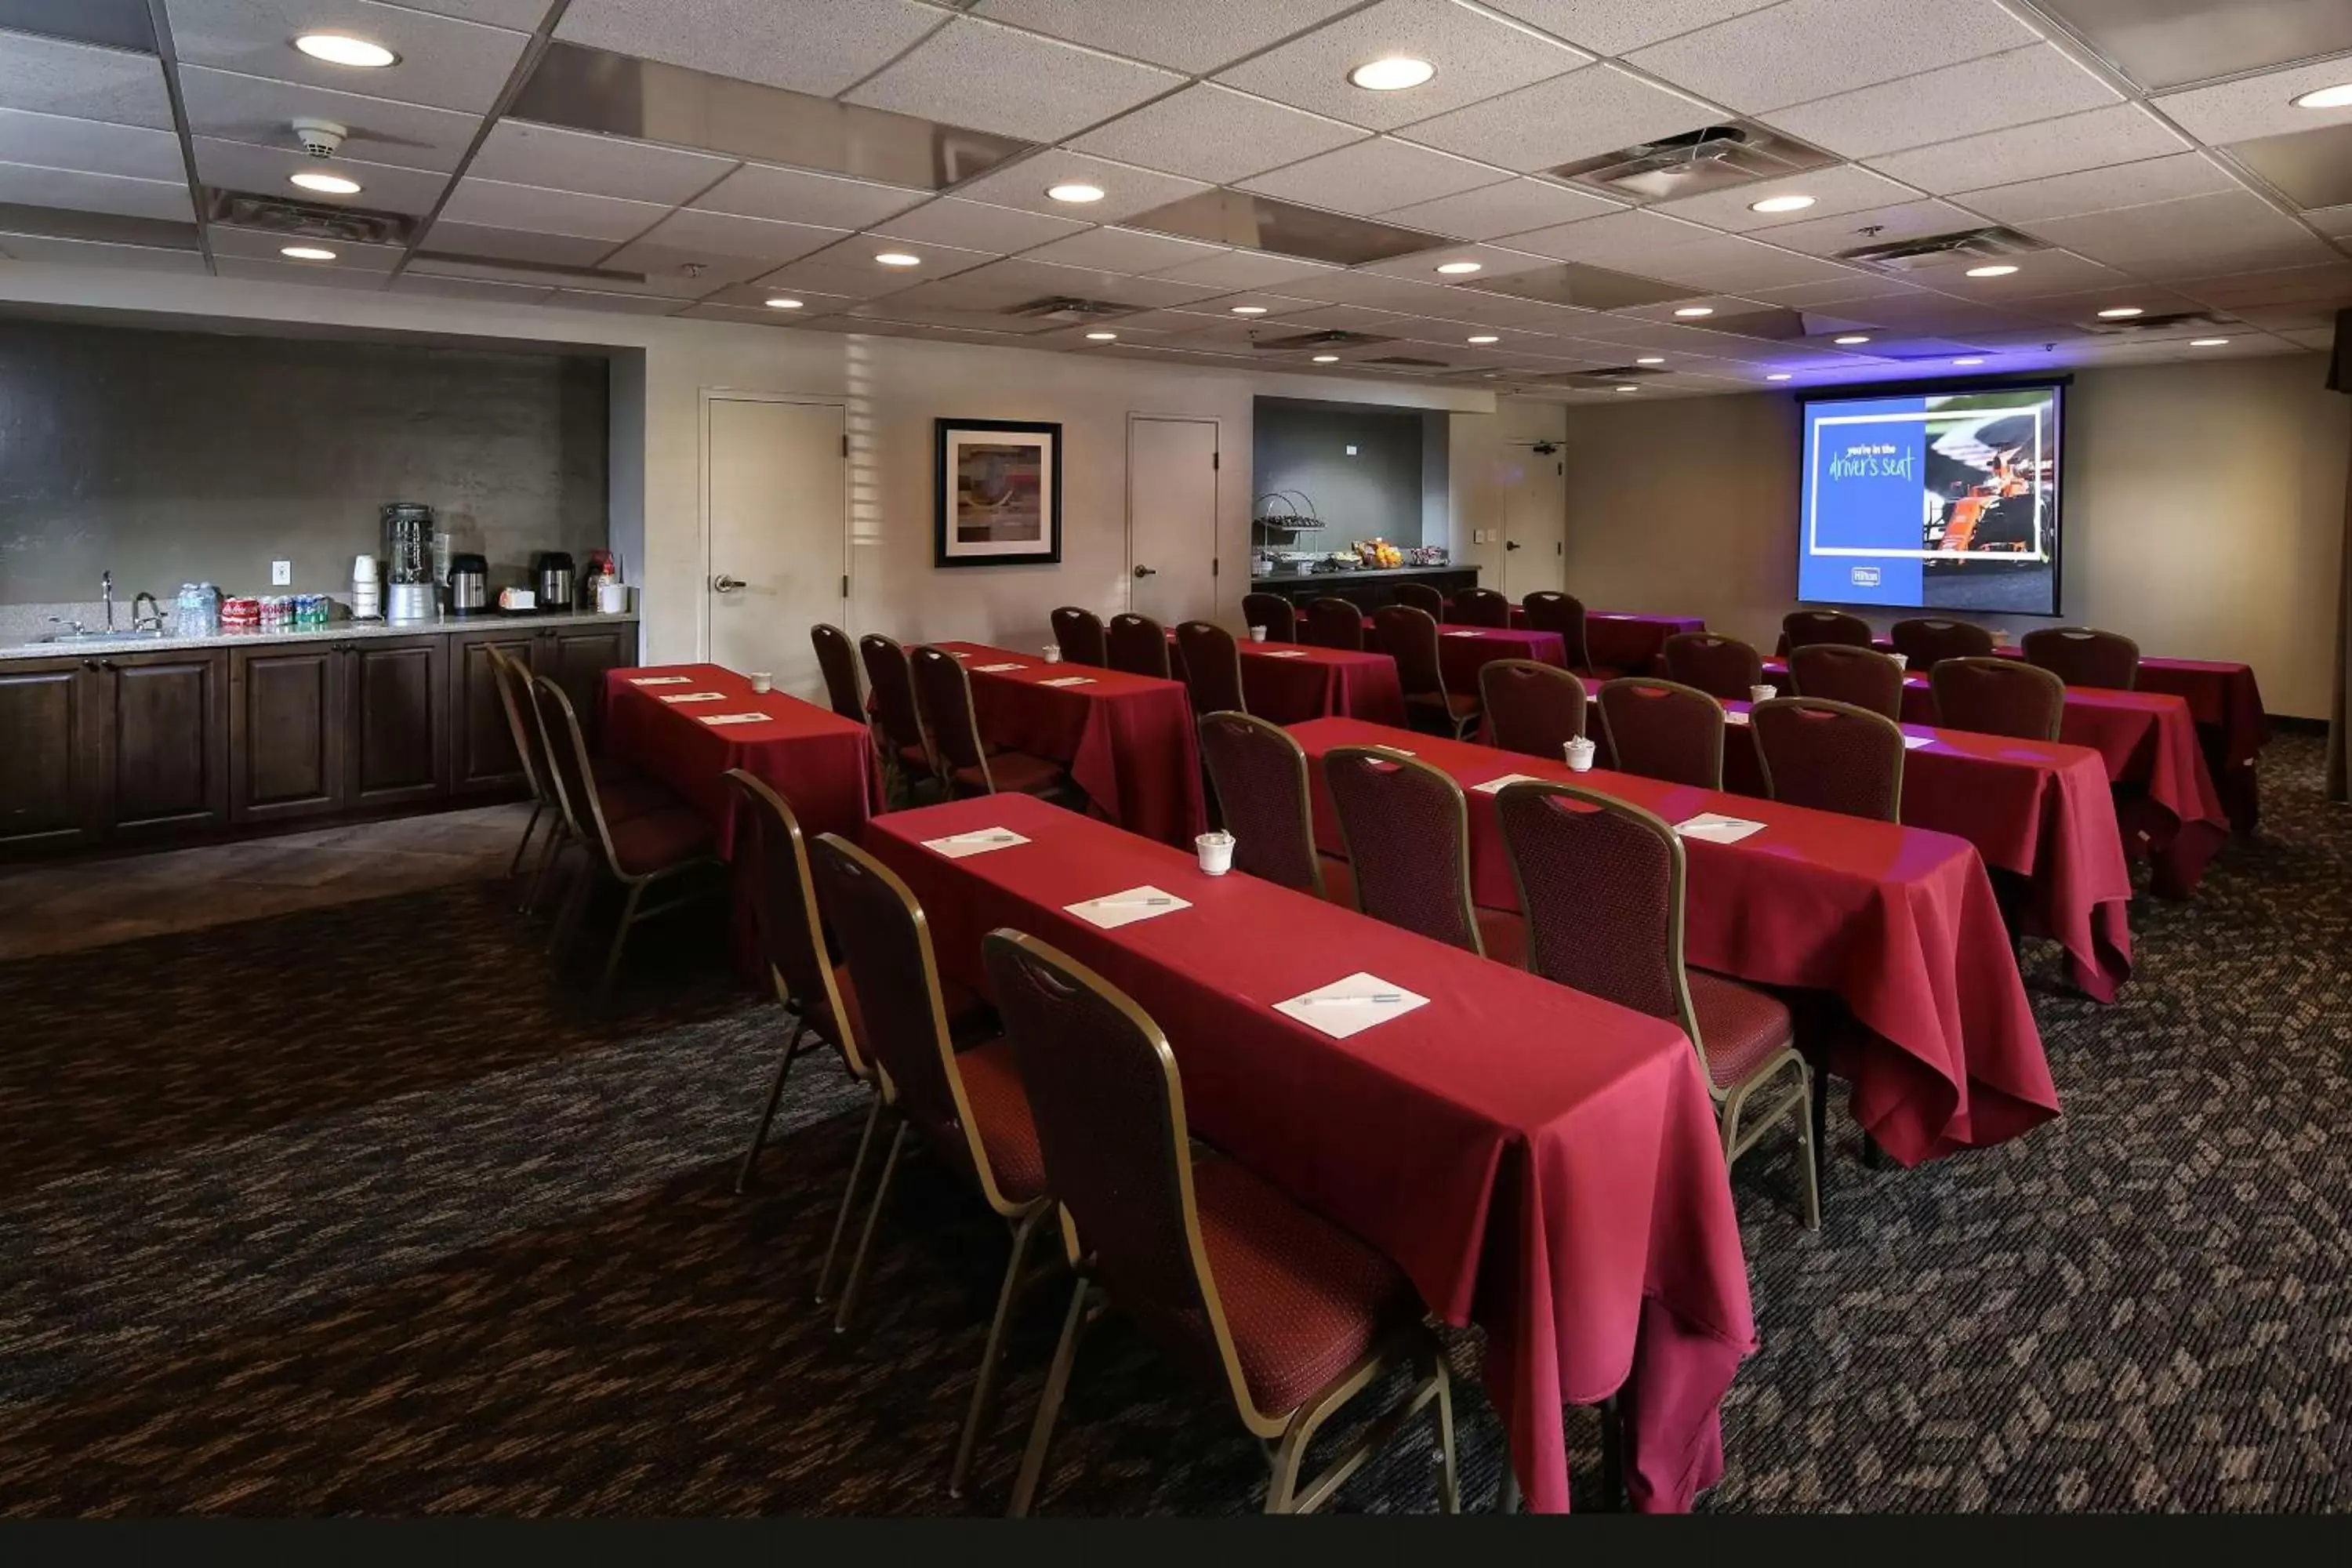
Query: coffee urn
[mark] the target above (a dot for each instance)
(556, 582)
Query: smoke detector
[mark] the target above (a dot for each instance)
(318, 138)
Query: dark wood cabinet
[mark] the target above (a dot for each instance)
(481, 741)
(576, 657)
(163, 752)
(48, 766)
(396, 747)
(286, 735)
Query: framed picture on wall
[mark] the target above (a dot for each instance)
(1000, 493)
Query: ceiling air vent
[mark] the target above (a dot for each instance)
(1332, 338)
(1715, 158)
(1068, 308)
(1942, 250)
(276, 215)
(1618, 373)
(1407, 362)
(2174, 322)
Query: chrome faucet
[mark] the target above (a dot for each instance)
(106, 592)
(153, 621)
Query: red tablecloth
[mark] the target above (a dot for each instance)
(1287, 682)
(1462, 651)
(1127, 740)
(1618, 639)
(1901, 922)
(1535, 1160)
(2042, 810)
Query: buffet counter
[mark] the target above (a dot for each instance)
(1368, 587)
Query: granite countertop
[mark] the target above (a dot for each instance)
(1359, 572)
(333, 631)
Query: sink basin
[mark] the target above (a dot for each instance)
(117, 635)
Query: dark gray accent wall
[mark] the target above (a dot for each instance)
(173, 456)
(1376, 494)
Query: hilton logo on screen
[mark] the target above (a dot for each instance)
(1865, 576)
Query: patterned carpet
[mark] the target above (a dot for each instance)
(360, 1210)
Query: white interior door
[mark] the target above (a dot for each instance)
(1535, 520)
(774, 484)
(1171, 518)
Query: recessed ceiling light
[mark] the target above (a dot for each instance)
(1780, 204)
(337, 49)
(1075, 193)
(1459, 268)
(1629, 387)
(2207, 343)
(899, 258)
(782, 303)
(332, 185)
(2338, 97)
(2120, 312)
(1485, 338)
(307, 253)
(1778, 375)
(1850, 339)
(1692, 312)
(1249, 309)
(1651, 359)
(1392, 74)
(1326, 359)
(1102, 337)
(1970, 359)
(2001, 270)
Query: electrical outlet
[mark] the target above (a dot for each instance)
(281, 573)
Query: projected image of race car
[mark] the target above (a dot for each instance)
(1988, 488)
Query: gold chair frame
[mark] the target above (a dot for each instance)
(1392, 757)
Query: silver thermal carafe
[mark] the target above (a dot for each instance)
(470, 584)
(556, 581)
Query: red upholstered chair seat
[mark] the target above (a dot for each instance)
(915, 759)
(1598, 672)
(968, 1013)
(1740, 1025)
(625, 793)
(659, 839)
(1304, 1300)
(1014, 773)
(991, 1085)
(1338, 881)
(1504, 935)
(1457, 705)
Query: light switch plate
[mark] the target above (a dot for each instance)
(281, 573)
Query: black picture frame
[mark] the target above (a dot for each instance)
(956, 517)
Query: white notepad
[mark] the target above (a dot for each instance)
(732, 718)
(1717, 829)
(694, 697)
(1113, 911)
(660, 680)
(979, 841)
(1070, 680)
(997, 668)
(1286, 653)
(1351, 1005)
(1912, 742)
(1734, 716)
(1462, 634)
(1497, 786)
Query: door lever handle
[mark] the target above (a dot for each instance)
(723, 583)
(1145, 572)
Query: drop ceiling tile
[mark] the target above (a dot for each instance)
(756, 296)
(1016, 84)
(612, 303)
(82, 81)
(1805, 49)
(2043, 272)
(522, 15)
(752, 315)
(297, 273)
(2326, 283)
(1126, 250)
(1127, 190)
(2334, 222)
(978, 226)
(1583, 113)
(30, 185)
(268, 171)
(1991, 94)
(1841, 188)
(2102, 190)
(1373, 176)
(432, 286)
(2259, 105)
(2230, 223)
(1195, 37)
(1244, 269)
(1734, 266)
(1614, 28)
(257, 245)
(1854, 290)
(2321, 340)
(796, 196)
(643, 267)
(1476, 54)
(717, 235)
(917, 307)
(847, 267)
(555, 159)
(1620, 239)
(93, 146)
(2121, 133)
(1214, 134)
(1493, 261)
(486, 243)
(493, 203)
(1903, 220)
(818, 46)
(1508, 206)
(443, 63)
(235, 108)
(1015, 281)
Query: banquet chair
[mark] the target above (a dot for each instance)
(1603, 883)
(1661, 729)
(1724, 667)
(1831, 756)
(943, 697)
(1275, 612)
(1801, 628)
(1532, 707)
(1138, 645)
(1551, 611)
(838, 660)
(1927, 641)
(652, 849)
(1478, 607)
(1213, 667)
(1405, 827)
(1332, 622)
(1995, 696)
(967, 1108)
(1080, 634)
(1422, 597)
(1861, 676)
(1260, 779)
(905, 748)
(2083, 655)
(1280, 1310)
(1409, 636)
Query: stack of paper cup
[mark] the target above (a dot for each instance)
(367, 594)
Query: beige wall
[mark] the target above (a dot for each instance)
(2204, 514)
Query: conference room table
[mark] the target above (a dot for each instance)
(2040, 811)
(1899, 922)
(1463, 651)
(1287, 683)
(1127, 739)
(1625, 640)
(1535, 1160)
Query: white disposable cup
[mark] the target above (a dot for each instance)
(1579, 753)
(1216, 850)
(1257, 633)
(1901, 660)
(1051, 653)
(612, 598)
(1762, 693)
(363, 569)
(762, 682)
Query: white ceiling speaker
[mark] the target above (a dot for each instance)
(318, 138)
